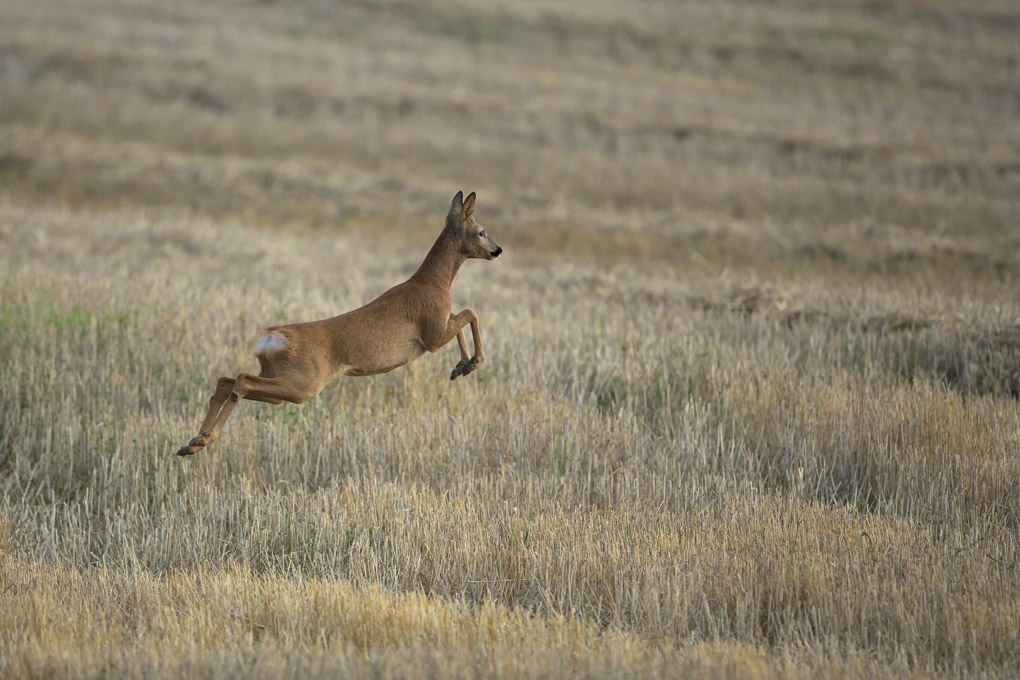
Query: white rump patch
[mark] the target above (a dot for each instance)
(270, 343)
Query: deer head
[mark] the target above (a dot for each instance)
(474, 242)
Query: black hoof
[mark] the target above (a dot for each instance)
(462, 368)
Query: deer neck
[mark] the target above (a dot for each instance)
(442, 262)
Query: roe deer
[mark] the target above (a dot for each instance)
(391, 331)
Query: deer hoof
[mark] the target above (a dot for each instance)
(188, 450)
(460, 369)
(465, 367)
(199, 441)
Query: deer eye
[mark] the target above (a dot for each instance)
(482, 233)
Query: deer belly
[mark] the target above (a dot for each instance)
(387, 359)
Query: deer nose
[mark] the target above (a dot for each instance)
(497, 252)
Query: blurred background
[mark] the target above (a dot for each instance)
(762, 135)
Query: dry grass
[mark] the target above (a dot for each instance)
(751, 405)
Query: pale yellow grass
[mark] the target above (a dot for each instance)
(235, 624)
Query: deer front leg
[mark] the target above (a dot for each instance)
(466, 364)
(462, 344)
(465, 359)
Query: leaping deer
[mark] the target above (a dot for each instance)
(393, 330)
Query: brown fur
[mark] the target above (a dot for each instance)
(391, 331)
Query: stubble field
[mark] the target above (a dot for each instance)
(750, 407)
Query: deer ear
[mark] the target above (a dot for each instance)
(469, 206)
(457, 205)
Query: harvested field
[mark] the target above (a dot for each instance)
(750, 407)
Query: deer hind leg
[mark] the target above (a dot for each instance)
(223, 387)
(225, 399)
(257, 388)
